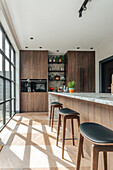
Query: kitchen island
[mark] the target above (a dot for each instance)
(93, 107)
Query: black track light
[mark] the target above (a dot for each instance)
(83, 7)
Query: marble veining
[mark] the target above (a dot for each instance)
(102, 98)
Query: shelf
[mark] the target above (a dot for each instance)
(56, 71)
(55, 63)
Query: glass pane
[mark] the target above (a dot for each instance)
(1, 68)
(12, 73)
(12, 86)
(7, 89)
(1, 115)
(7, 73)
(0, 39)
(6, 48)
(12, 107)
(1, 89)
(7, 111)
(12, 56)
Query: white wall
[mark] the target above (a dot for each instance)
(102, 53)
(5, 23)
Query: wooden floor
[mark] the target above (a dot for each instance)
(28, 143)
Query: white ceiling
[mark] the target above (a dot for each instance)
(55, 24)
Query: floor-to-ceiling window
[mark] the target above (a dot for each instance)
(7, 78)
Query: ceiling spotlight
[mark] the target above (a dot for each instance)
(78, 47)
(91, 48)
(31, 38)
(57, 51)
(40, 47)
(26, 47)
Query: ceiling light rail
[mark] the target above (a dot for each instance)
(83, 7)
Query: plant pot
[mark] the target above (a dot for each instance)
(71, 90)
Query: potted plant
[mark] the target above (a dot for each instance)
(71, 86)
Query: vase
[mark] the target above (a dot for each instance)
(71, 90)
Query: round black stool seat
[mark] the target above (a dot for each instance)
(96, 133)
(66, 111)
(56, 103)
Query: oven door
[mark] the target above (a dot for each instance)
(40, 87)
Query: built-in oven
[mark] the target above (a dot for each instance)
(33, 85)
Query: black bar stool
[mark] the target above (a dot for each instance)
(101, 139)
(66, 113)
(53, 106)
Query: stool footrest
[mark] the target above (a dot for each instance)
(69, 139)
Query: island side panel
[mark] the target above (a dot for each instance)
(90, 112)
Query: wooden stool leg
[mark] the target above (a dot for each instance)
(105, 160)
(63, 138)
(78, 120)
(79, 153)
(94, 157)
(58, 130)
(72, 131)
(50, 116)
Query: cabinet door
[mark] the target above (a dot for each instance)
(24, 102)
(40, 65)
(40, 102)
(30, 106)
(25, 64)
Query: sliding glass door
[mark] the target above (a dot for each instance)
(7, 78)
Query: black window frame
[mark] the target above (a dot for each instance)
(8, 79)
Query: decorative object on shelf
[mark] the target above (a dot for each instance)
(62, 78)
(57, 77)
(50, 68)
(54, 60)
(61, 59)
(51, 88)
(71, 86)
(62, 68)
(50, 60)
(51, 77)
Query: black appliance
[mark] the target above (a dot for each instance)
(33, 85)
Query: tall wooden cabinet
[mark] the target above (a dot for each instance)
(34, 65)
(80, 67)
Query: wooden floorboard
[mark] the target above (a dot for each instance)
(28, 143)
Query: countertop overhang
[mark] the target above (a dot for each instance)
(102, 98)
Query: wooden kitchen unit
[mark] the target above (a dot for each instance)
(34, 65)
(80, 67)
(92, 107)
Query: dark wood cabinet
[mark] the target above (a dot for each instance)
(34, 65)
(34, 102)
(80, 67)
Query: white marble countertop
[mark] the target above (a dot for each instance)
(102, 98)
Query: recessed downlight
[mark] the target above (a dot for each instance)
(26, 47)
(91, 48)
(78, 47)
(40, 47)
(31, 38)
(57, 51)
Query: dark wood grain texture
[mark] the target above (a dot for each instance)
(80, 67)
(90, 112)
(34, 65)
